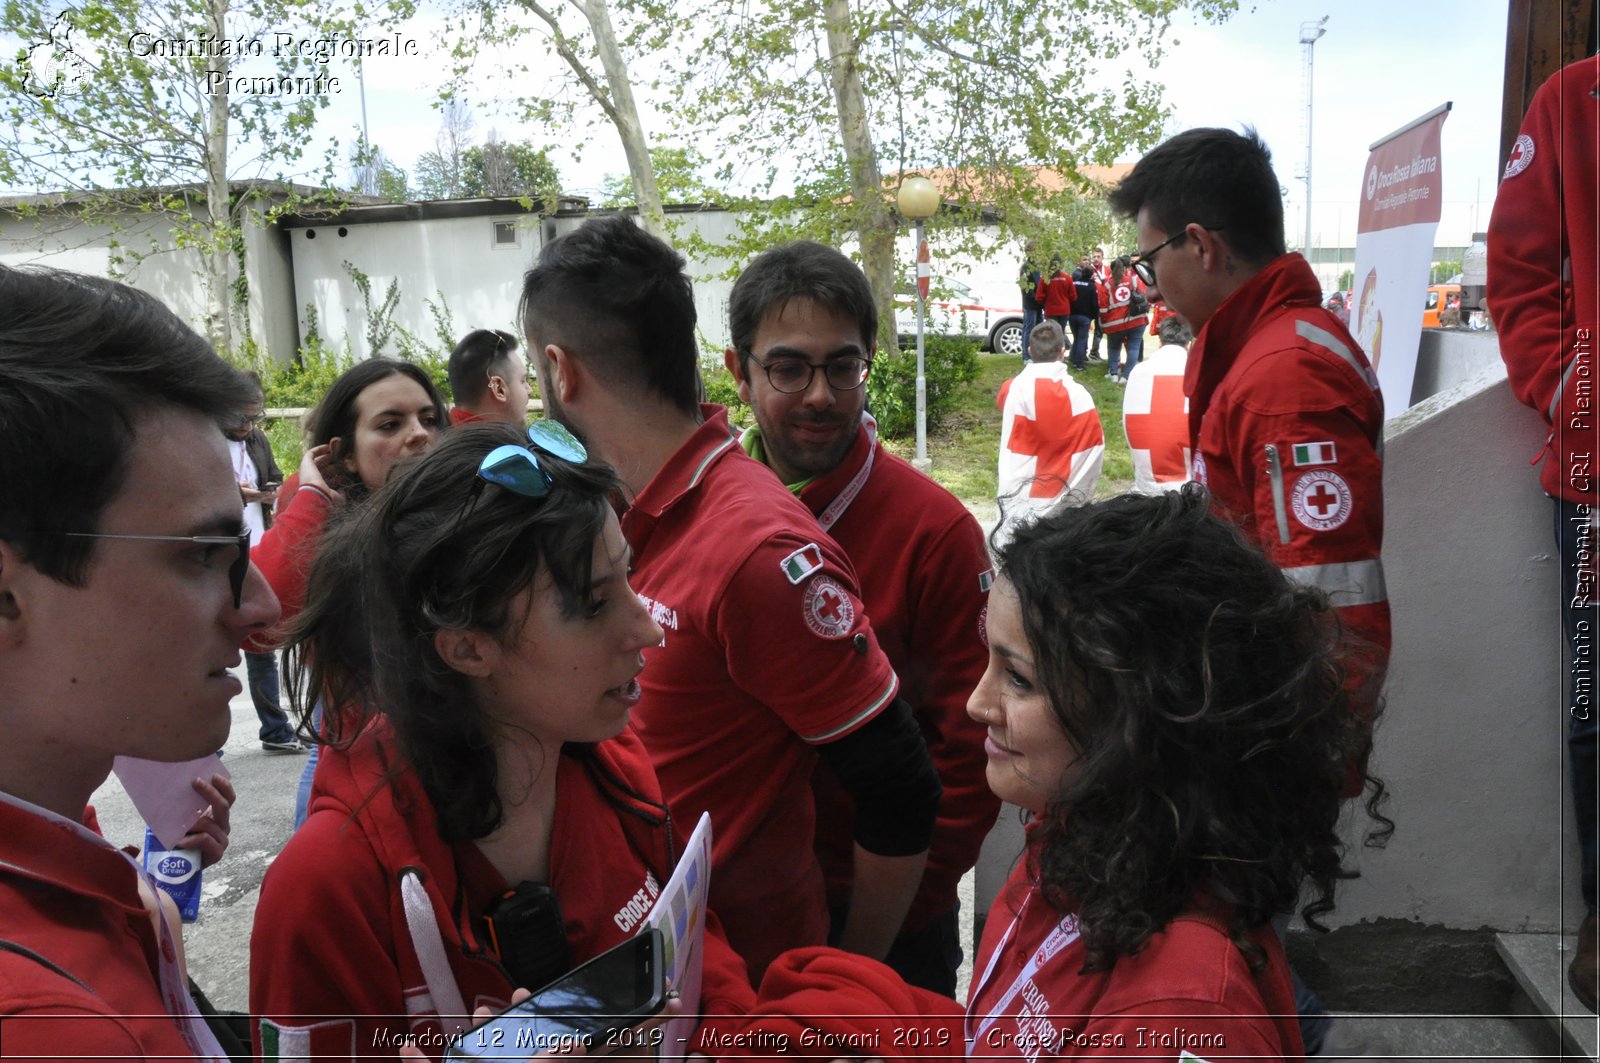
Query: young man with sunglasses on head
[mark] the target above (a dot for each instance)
(804, 329)
(1285, 417)
(769, 662)
(125, 592)
(489, 379)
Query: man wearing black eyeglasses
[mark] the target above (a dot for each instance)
(804, 325)
(769, 662)
(1284, 410)
(125, 592)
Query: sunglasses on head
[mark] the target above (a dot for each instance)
(516, 467)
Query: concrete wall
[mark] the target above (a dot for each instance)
(1472, 742)
(171, 274)
(271, 299)
(455, 259)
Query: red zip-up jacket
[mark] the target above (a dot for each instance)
(1056, 293)
(335, 966)
(1544, 272)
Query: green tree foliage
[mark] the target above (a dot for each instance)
(373, 173)
(500, 168)
(1443, 271)
(947, 89)
(581, 36)
(95, 107)
(678, 177)
(440, 172)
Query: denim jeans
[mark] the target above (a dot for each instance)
(1081, 327)
(1030, 318)
(302, 793)
(262, 670)
(1580, 625)
(1133, 340)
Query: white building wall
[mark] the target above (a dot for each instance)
(151, 261)
(453, 259)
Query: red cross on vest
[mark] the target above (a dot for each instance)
(1053, 437)
(829, 602)
(1322, 500)
(1164, 430)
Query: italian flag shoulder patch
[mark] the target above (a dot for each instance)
(1323, 453)
(802, 563)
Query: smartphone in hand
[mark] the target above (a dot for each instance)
(615, 991)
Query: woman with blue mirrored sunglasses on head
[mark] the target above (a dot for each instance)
(487, 819)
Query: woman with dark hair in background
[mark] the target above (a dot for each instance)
(377, 412)
(1124, 313)
(474, 626)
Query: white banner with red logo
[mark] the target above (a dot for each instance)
(1401, 198)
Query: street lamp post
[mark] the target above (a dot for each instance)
(1310, 33)
(919, 199)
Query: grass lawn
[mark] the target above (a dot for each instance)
(964, 449)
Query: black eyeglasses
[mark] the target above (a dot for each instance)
(794, 375)
(1144, 269)
(236, 571)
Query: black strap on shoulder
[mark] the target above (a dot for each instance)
(24, 951)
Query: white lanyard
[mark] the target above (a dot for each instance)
(175, 991)
(1064, 934)
(828, 517)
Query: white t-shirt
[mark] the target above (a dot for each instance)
(244, 473)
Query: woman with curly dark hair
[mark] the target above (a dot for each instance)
(1170, 709)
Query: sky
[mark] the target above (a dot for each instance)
(1380, 64)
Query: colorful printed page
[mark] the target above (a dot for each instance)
(680, 913)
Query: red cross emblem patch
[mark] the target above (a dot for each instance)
(1521, 155)
(1322, 500)
(827, 609)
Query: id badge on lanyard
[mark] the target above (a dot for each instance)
(1064, 933)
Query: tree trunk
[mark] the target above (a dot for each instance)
(874, 222)
(625, 114)
(216, 243)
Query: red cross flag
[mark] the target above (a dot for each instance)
(1155, 417)
(1051, 442)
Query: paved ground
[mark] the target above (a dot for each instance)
(219, 941)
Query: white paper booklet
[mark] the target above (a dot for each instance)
(680, 913)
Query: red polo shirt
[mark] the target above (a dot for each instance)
(73, 898)
(767, 652)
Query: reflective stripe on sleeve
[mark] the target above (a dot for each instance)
(1345, 583)
(1323, 338)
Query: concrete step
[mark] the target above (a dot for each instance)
(1505, 1037)
(1539, 964)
